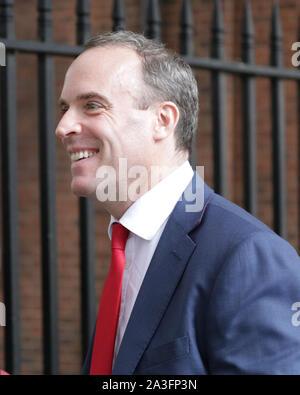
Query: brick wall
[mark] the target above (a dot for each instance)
(67, 204)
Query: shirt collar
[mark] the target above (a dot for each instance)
(146, 215)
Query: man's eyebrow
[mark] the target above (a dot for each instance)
(86, 96)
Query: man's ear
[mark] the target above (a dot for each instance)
(167, 116)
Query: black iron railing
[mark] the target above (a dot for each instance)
(45, 49)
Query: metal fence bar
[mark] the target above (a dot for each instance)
(218, 104)
(240, 68)
(49, 48)
(278, 129)
(86, 220)
(87, 263)
(47, 193)
(83, 24)
(249, 116)
(186, 35)
(186, 47)
(153, 21)
(10, 244)
(118, 16)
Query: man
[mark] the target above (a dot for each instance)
(210, 290)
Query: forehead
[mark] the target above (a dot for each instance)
(105, 68)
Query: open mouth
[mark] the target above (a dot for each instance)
(79, 155)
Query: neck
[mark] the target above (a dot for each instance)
(135, 185)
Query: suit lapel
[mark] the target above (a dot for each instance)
(165, 270)
(158, 286)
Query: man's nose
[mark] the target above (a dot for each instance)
(67, 126)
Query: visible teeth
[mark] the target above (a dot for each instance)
(81, 154)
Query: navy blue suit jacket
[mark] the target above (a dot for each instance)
(219, 297)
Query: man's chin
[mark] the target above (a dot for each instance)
(81, 189)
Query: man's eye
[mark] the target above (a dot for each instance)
(93, 106)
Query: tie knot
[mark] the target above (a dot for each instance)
(119, 236)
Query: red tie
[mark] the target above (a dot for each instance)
(108, 315)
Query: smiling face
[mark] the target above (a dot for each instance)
(101, 121)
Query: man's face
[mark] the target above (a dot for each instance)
(101, 121)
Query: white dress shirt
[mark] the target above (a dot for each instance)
(146, 219)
